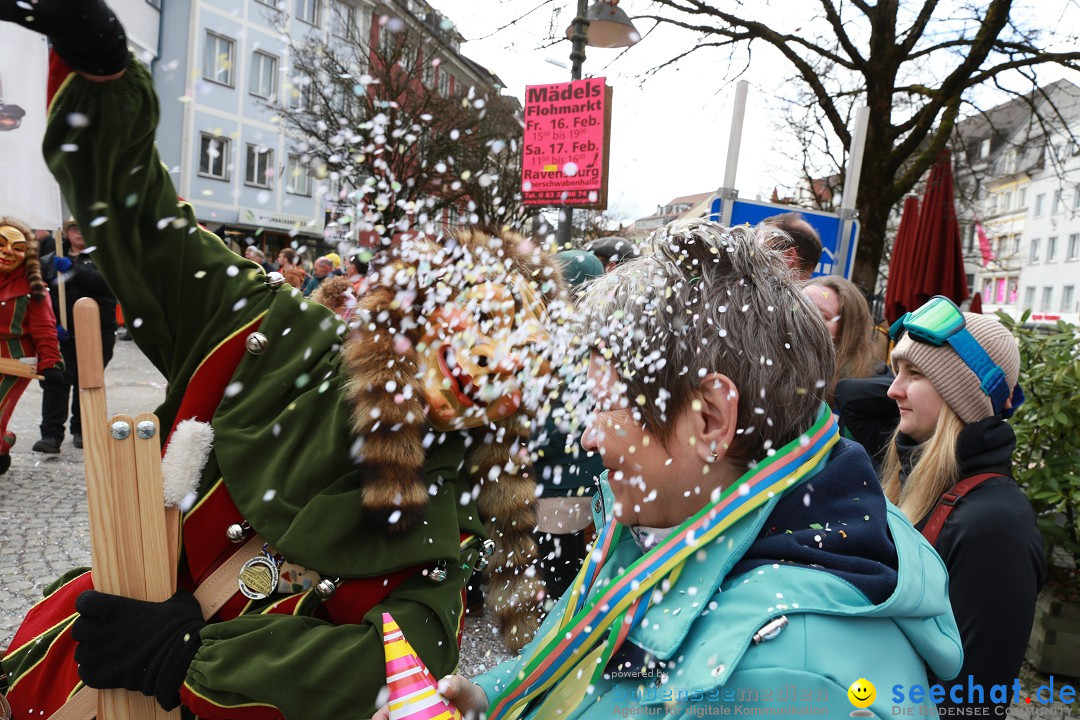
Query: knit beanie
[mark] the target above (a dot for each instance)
(950, 375)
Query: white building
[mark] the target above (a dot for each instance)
(142, 23)
(1027, 196)
(222, 62)
(27, 188)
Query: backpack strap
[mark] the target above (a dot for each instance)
(947, 502)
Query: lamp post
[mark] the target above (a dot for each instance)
(603, 25)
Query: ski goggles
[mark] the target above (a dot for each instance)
(940, 322)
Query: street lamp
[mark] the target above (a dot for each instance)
(604, 25)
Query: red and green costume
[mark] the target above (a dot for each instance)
(284, 458)
(27, 329)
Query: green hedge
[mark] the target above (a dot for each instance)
(1047, 425)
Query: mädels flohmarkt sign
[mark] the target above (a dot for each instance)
(567, 134)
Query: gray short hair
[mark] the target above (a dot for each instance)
(704, 299)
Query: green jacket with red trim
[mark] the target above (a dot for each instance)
(283, 456)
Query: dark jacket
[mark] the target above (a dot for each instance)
(867, 414)
(994, 553)
(312, 283)
(83, 279)
(565, 469)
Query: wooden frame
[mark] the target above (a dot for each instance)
(130, 549)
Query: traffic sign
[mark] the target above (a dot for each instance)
(827, 224)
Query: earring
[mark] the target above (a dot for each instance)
(713, 456)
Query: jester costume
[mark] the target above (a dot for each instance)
(321, 446)
(27, 323)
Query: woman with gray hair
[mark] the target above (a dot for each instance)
(743, 548)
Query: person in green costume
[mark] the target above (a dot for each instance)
(369, 458)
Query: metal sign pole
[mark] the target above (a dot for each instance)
(577, 56)
(851, 192)
(727, 191)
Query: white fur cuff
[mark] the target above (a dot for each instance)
(185, 457)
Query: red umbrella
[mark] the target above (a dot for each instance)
(976, 303)
(897, 289)
(939, 258)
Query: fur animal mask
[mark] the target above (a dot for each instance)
(460, 318)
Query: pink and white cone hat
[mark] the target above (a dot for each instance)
(414, 694)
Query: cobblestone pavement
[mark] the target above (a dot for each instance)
(44, 530)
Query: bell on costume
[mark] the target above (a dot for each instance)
(438, 573)
(326, 588)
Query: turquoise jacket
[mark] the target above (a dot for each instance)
(700, 637)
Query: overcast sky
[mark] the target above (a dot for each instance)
(669, 130)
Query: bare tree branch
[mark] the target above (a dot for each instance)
(857, 60)
(915, 32)
(515, 21)
(402, 150)
(913, 115)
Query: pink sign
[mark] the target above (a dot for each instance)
(565, 144)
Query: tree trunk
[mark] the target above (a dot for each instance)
(874, 212)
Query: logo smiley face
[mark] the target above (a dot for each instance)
(862, 693)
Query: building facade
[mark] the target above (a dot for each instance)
(682, 206)
(1022, 182)
(28, 189)
(223, 67)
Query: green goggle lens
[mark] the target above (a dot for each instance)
(940, 317)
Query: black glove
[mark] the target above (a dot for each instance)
(53, 376)
(137, 645)
(85, 33)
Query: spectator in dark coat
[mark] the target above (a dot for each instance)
(81, 278)
(565, 472)
(324, 268)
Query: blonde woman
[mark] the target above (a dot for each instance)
(948, 469)
(847, 316)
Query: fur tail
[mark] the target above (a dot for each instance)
(389, 414)
(500, 463)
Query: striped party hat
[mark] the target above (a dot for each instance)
(414, 694)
